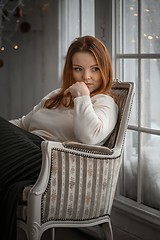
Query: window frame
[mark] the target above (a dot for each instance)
(66, 25)
(135, 208)
(107, 15)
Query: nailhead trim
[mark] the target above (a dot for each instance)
(87, 151)
(77, 220)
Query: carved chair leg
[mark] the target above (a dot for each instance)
(107, 228)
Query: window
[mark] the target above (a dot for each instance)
(76, 18)
(137, 59)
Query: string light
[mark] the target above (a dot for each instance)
(135, 14)
(147, 10)
(2, 48)
(131, 8)
(45, 6)
(145, 35)
(150, 37)
(15, 47)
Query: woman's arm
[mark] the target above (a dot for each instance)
(95, 119)
(24, 122)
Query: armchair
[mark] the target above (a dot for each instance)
(77, 182)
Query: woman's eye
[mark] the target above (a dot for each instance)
(78, 69)
(95, 69)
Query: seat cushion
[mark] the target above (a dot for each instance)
(22, 207)
(25, 193)
(22, 212)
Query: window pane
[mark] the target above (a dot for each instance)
(130, 165)
(151, 166)
(88, 24)
(129, 27)
(150, 42)
(73, 21)
(129, 73)
(150, 96)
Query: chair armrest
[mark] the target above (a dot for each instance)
(43, 178)
(87, 148)
(92, 150)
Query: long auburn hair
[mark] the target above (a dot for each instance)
(98, 49)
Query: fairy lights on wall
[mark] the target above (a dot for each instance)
(5, 15)
(17, 11)
(12, 15)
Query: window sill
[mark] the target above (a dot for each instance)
(141, 211)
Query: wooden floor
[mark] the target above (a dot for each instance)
(70, 234)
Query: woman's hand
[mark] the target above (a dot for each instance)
(78, 89)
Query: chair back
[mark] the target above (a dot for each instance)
(124, 93)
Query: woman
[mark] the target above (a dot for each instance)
(83, 110)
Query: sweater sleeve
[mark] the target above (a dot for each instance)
(94, 120)
(24, 122)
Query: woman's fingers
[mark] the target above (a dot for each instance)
(78, 89)
(66, 91)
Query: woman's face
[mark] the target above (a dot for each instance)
(85, 69)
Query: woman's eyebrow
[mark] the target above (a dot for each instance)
(77, 65)
(81, 66)
(94, 65)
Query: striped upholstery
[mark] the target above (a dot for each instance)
(25, 194)
(22, 212)
(78, 187)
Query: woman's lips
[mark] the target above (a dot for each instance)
(88, 84)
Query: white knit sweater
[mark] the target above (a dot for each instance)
(91, 120)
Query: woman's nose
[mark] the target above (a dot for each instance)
(86, 75)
